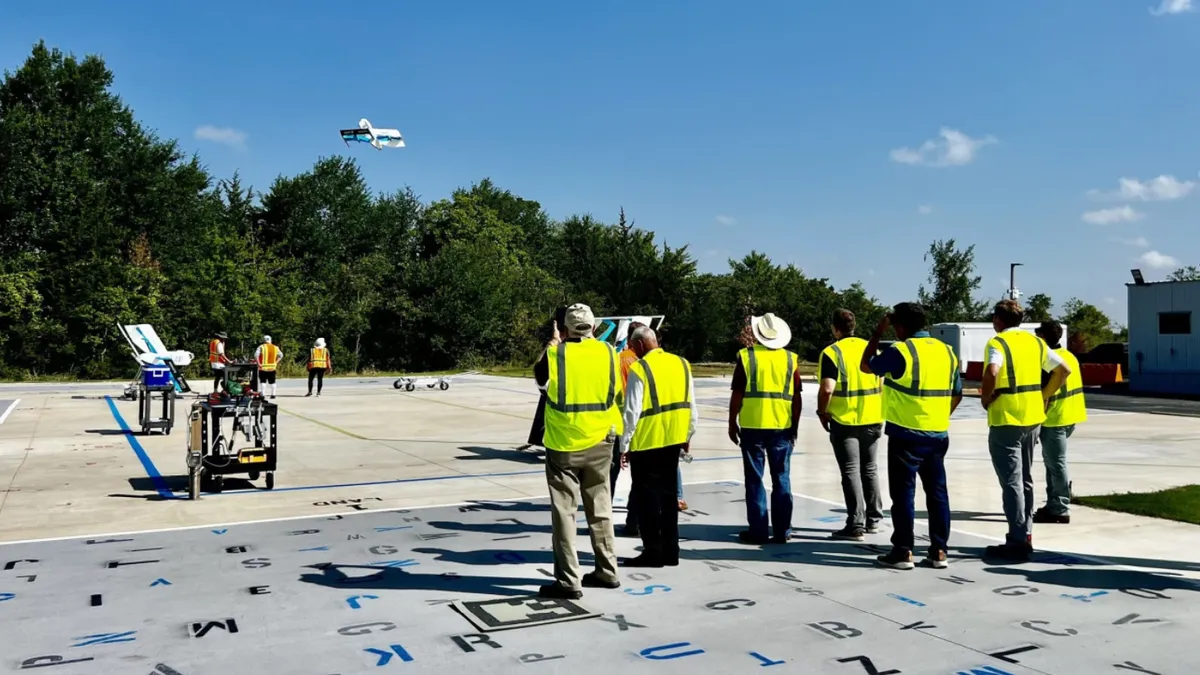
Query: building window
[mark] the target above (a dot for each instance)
(1174, 323)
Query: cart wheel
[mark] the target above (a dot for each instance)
(410, 386)
(271, 481)
(444, 385)
(397, 384)
(167, 431)
(253, 475)
(218, 484)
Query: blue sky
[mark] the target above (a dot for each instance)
(797, 128)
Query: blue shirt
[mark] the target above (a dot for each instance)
(892, 363)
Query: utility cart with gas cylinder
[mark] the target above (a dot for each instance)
(211, 454)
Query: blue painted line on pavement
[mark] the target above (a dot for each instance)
(160, 483)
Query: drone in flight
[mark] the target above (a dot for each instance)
(365, 133)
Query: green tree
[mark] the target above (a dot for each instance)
(1087, 325)
(1037, 307)
(953, 283)
(1189, 273)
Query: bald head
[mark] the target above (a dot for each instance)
(643, 340)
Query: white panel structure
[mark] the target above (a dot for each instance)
(1164, 348)
(969, 340)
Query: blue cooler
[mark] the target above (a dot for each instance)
(156, 376)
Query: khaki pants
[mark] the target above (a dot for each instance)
(568, 474)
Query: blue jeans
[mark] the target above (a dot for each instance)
(772, 448)
(906, 460)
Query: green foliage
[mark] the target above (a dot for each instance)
(1037, 308)
(1189, 273)
(953, 284)
(103, 223)
(1087, 325)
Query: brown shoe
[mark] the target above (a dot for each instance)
(682, 505)
(936, 560)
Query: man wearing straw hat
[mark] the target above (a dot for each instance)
(764, 413)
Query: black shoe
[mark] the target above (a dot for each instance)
(629, 531)
(848, 534)
(746, 538)
(1044, 517)
(557, 591)
(643, 560)
(1009, 552)
(671, 562)
(593, 580)
(308, 394)
(781, 539)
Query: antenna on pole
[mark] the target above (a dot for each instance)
(1012, 280)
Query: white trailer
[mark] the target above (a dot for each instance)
(969, 340)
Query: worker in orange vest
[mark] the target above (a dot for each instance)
(319, 363)
(217, 358)
(268, 356)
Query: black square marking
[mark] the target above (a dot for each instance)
(523, 612)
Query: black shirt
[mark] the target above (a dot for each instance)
(541, 369)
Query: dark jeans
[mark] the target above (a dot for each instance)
(654, 484)
(763, 448)
(319, 375)
(630, 505)
(906, 460)
(537, 432)
(218, 378)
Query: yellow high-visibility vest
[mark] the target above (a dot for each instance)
(581, 395)
(770, 377)
(318, 358)
(857, 397)
(666, 406)
(1018, 399)
(1067, 405)
(920, 399)
(269, 360)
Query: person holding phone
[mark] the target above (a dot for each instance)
(537, 431)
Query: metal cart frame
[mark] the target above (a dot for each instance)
(211, 455)
(146, 398)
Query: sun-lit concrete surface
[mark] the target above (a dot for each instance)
(66, 468)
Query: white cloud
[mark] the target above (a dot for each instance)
(1136, 242)
(1157, 260)
(952, 148)
(234, 138)
(1172, 7)
(1160, 189)
(925, 209)
(1117, 214)
(726, 220)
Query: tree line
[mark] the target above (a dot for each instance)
(102, 222)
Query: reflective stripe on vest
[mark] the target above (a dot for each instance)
(270, 357)
(666, 405)
(318, 358)
(214, 354)
(770, 377)
(920, 399)
(1018, 399)
(581, 395)
(857, 397)
(1067, 405)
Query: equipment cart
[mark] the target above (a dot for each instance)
(156, 383)
(212, 455)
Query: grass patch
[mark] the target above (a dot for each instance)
(1177, 503)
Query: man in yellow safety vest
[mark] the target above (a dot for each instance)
(217, 358)
(660, 418)
(1067, 408)
(924, 387)
(582, 423)
(764, 414)
(268, 356)
(1016, 400)
(850, 407)
(319, 363)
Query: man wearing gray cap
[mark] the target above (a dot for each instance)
(582, 423)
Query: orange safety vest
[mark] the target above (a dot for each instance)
(269, 360)
(319, 358)
(214, 356)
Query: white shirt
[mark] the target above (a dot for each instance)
(633, 408)
(996, 356)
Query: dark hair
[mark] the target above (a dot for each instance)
(910, 316)
(1009, 313)
(1050, 331)
(843, 320)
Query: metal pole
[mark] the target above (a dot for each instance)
(1012, 279)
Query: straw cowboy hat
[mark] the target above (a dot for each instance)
(771, 331)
